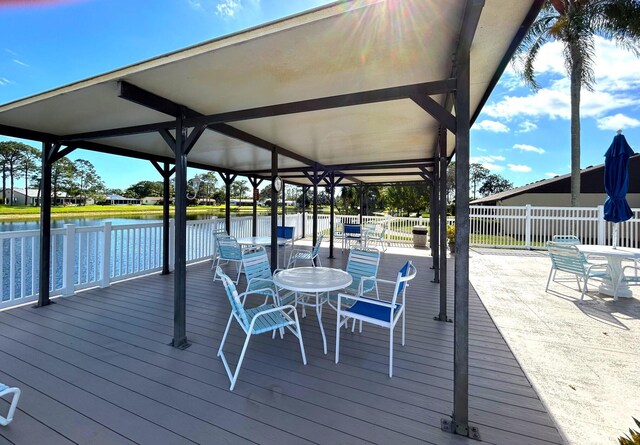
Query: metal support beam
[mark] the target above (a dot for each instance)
(180, 249)
(304, 210)
(433, 227)
(442, 189)
(255, 183)
(45, 223)
(274, 210)
(332, 214)
(166, 173)
(315, 182)
(284, 205)
(228, 180)
(460, 421)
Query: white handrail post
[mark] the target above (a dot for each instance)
(527, 227)
(69, 261)
(172, 235)
(602, 224)
(106, 255)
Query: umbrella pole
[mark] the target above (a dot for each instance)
(615, 235)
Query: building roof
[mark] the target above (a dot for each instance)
(592, 181)
(115, 197)
(338, 86)
(33, 193)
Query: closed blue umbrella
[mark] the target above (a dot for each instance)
(616, 182)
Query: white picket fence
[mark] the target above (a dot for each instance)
(530, 227)
(89, 256)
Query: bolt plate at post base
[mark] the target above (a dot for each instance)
(449, 426)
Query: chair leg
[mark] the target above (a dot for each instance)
(224, 336)
(403, 330)
(235, 374)
(338, 334)
(4, 421)
(551, 272)
(299, 335)
(391, 351)
(215, 267)
(239, 267)
(584, 289)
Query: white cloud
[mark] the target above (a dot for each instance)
(493, 126)
(4, 81)
(481, 149)
(19, 62)
(488, 162)
(525, 147)
(617, 74)
(617, 122)
(526, 127)
(551, 174)
(196, 4)
(519, 168)
(228, 8)
(13, 53)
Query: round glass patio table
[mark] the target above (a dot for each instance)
(313, 281)
(614, 256)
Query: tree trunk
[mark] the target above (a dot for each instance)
(576, 84)
(11, 172)
(26, 186)
(4, 184)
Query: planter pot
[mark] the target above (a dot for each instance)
(452, 247)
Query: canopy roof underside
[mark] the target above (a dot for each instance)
(346, 48)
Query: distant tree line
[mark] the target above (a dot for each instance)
(20, 164)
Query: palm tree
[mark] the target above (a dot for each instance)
(575, 23)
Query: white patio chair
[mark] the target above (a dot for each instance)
(378, 239)
(254, 321)
(229, 251)
(565, 257)
(302, 254)
(214, 255)
(379, 312)
(255, 263)
(630, 280)
(567, 239)
(5, 390)
(362, 265)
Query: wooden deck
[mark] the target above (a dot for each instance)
(96, 368)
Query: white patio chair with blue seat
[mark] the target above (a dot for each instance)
(362, 265)
(384, 313)
(255, 263)
(214, 255)
(566, 258)
(229, 251)
(302, 254)
(4, 391)
(255, 321)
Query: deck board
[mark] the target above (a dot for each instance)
(97, 368)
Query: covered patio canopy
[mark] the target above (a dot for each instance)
(361, 92)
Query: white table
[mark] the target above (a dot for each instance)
(266, 242)
(614, 260)
(313, 281)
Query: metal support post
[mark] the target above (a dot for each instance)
(442, 189)
(332, 214)
(274, 210)
(45, 223)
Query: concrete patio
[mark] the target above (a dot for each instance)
(581, 359)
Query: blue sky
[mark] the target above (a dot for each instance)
(521, 134)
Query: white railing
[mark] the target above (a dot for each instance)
(79, 258)
(529, 227)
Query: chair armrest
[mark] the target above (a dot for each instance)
(597, 266)
(268, 311)
(252, 280)
(363, 279)
(366, 300)
(243, 295)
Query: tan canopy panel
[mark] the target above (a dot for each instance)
(360, 88)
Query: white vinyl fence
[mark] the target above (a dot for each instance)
(83, 257)
(90, 256)
(529, 227)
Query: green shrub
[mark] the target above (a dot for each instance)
(451, 233)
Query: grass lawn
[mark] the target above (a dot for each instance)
(19, 213)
